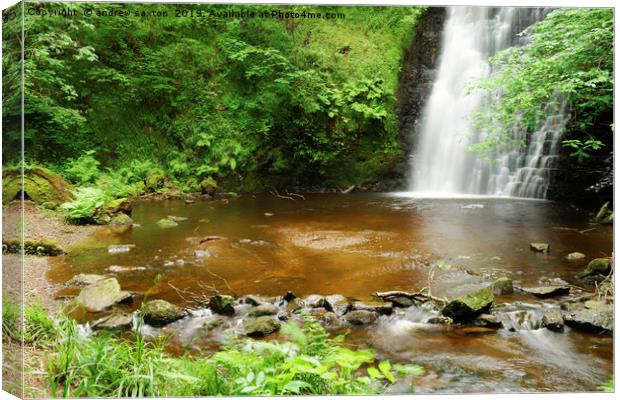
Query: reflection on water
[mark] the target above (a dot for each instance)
(358, 244)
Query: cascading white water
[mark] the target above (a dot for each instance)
(441, 165)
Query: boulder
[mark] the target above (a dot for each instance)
(41, 186)
(575, 256)
(502, 286)
(598, 266)
(101, 295)
(84, 279)
(381, 307)
(222, 304)
(263, 309)
(167, 223)
(121, 223)
(261, 326)
(315, 301)
(208, 186)
(114, 322)
(469, 305)
(161, 312)
(597, 320)
(337, 304)
(545, 292)
(540, 247)
(361, 317)
(253, 300)
(552, 320)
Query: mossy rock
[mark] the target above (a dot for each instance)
(161, 312)
(222, 304)
(502, 286)
(121, 223)
(101, 295)
(42, 186)
(154, 181)
(208, 186)
(261, 326)
(43, 247)
(598, 266)
(167, 223)
(470, 305)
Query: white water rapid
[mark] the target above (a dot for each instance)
(441, 164)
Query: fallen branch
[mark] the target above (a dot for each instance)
(278, 195)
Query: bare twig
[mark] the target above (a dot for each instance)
(296, 195)
(278, 195)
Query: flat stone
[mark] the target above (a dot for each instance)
(263, 309)
(488, 321)
(600, 320)
(330, 319)
(161, 312)
(540, 247)
(261, 326)
(575, 256)
(115, 322)
(102, 295)
(84, 279)
(167, 223)
(381, 307)
(120, 268)
(545, 292)
(361, 317)
(120, 248)
(398, 299)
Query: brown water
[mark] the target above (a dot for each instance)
(361, 243)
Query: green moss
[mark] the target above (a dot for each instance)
(41, 185)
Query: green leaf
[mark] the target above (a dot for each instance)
(386, 368)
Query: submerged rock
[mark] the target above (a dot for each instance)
(337, 304)
(598, 266)
(115, 322)
(330, 319)
(261, 326)
(167, 223)
(552, 320)
(470, 305)
(222, 304)
(381, 307)
(102, 295)
(121, 223)
(544, 292)
(177, 219)
(361, 317)
(502, 286)
(40, 185)
(487, 321)
(161, 312)
(397, 298)
(263, 309)
(540, 247)
(84, 279)
(575, 256)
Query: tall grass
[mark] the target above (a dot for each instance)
(308, 362)
(10, 321)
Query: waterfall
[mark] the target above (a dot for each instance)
(441, 164)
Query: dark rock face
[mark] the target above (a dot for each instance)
(361, 317)
(222, 304)
(416, 78)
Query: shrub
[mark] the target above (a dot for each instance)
(83, 170)
(87, 204)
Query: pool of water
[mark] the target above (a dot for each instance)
(358, 244)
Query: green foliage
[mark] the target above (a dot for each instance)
(83, 170)
(309, 362)
(569, 57)
(39, 326)
(250, 103)
(87, 204)
(10, 321)
(607, 386)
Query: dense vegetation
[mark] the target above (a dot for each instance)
(251, 102)
(309, 361)
(568, 59)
